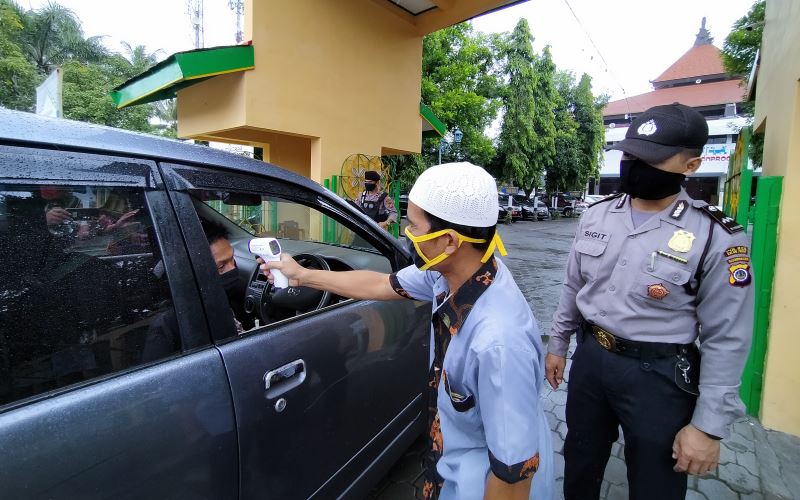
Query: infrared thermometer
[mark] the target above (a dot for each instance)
(270, 250)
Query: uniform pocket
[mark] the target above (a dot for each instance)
(591, 253)
(663, 284)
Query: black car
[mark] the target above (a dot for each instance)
(127, 369)
(532, 209)
(511, 206)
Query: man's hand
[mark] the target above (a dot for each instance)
(695, 452)
(57, 216)
(384, 225)
(554, 369)
(287, 265)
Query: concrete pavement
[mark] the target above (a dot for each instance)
(755, 463)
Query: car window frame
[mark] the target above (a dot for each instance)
(77, 169)
(181, 178)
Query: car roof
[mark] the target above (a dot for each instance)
(30, 130)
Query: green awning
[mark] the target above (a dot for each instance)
(431, 126)
(181, 70)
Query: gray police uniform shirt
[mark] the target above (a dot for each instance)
(489, 410)
(632, 283)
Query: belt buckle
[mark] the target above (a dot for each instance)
(605, 339)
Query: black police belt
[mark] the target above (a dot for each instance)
(632, 348)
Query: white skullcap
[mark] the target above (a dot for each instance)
(459, 193)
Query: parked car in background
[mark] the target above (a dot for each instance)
(564, 203)
(502, 215)
(123, 370)
(593, 198)
(580, 206)
(532, 209)
(507, 201)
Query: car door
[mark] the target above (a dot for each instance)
(109, 386)
(325, 401)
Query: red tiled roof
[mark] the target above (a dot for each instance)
(703, 94)
(700, 60)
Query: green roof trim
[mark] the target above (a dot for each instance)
(436, 127)
(181, 70)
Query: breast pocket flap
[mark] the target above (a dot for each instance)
(591, 248)
(671, 274)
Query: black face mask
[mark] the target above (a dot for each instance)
(642, 180)
(230, 282)
(414, 255)
(370, 186)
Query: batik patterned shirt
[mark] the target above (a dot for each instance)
(485, 376)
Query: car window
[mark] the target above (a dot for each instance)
(257, 215)
(83, 291)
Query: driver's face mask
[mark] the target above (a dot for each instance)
(424, 263)
(230, 282)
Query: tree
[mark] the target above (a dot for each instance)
(567, 161)
(166, 113)
(86, 95)
(590, 133)
(744, 40)
(545, 99)
(18, 76)
(460, 84)
(517, 134)
(738, 56)
(53, 36)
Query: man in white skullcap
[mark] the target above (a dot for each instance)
(487, 432)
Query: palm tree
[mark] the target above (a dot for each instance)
(139, 58)
(166, 112)
(53, 35)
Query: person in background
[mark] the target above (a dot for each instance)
(375, 202)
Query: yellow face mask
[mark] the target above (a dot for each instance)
(496, 243)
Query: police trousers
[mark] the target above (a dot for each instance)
(608, 390)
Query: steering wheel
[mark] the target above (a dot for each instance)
(271, 304)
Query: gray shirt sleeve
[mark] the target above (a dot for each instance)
(725, 312)
(567, 315)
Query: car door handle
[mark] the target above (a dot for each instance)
(285, 378)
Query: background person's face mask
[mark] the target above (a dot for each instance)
(370, 186)
(642, 180)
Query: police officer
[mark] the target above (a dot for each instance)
(651, 272)
(488, 437)
(375, 202)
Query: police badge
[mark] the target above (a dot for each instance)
(681, 241)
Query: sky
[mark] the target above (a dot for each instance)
(622, 44)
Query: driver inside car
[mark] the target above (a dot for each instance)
(162, 337)
(487, 434)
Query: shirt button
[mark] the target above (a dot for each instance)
(603, 314)
(676, 277)
(632, 236)
(612, 288)
(623, 263)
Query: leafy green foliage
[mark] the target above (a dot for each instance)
(18, 76)
(518, 137)
(34, 42)
(744, 40)
(460, 84)
(738, 56)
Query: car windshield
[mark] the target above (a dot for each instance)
(265, 216)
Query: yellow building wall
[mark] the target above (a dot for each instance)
(778, 116)
(346, 73)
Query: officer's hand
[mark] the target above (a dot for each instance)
(384, 225)
(554, 369)
(695, 452)
(287, 265)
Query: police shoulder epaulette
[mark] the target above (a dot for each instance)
(607, 198)
(728, 223)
